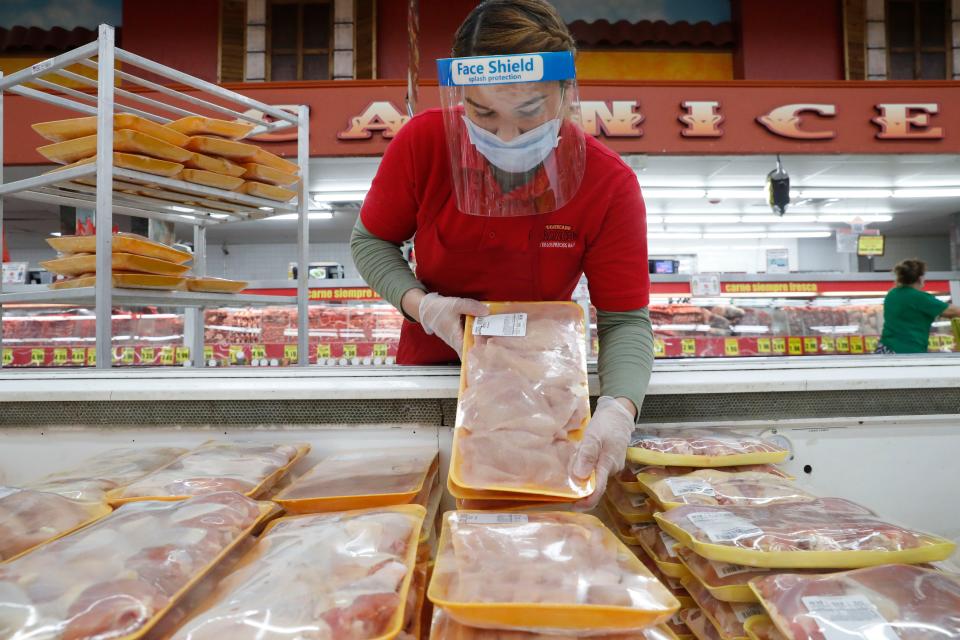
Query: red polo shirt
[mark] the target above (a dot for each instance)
(601, 232)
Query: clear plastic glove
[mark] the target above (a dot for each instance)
(603, 448)
(443, 316)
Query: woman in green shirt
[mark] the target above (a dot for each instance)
(908, 311)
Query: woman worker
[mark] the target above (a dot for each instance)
(908, 311)
(509, 200)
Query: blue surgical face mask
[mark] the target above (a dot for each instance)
(519, 155)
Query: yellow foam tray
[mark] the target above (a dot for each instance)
(264, 157)
(214, 165)
(263, 173)
(60, 130)
(210, 179)
(672, 567)
(202, 126)
(129, 161)
(127, 281)
(216, 285)
(121, 243)
(125, 140)
(83, 264)
(229, 149)
(726, 593)
(268, 191)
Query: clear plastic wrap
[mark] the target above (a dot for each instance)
(762, 628)
(702, 448)
(721, 488)
(249, 468)
(29, 518)
(523, 403)
(659, 546)
(880, 603)
(727, 617)
(91, 479)
(824, 534)
(117, 577)
(673, 584)
(543, 572)
(343, 576)
(724, 581)
(359, 479)
(646, 474)
(445, 627)
(699, 625)
(627, 479)
(618, 525)
(633, 508)
(416, 600)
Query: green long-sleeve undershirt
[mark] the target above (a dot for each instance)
(626, 338)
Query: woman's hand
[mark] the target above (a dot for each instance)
(604, 446)
(443, 317)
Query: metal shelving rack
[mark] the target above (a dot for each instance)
(208, 206)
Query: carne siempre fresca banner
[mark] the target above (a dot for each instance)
(358, 118)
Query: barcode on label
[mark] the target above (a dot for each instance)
(723, 527)
(493, 518)
(668, 541)
(848, 617)
(725, 569)
(745, 611)
(686, 486)
(501, 324)
(40, 67)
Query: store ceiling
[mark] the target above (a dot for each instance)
(911, 216)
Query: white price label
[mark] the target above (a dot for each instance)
(638, 501)
(677, 620)
(685, 486)
(723, 527)
(848, 617)
(40, 67)
(493, 518)
(725, 569)
(668, 541)
(746, 611)
(8, 491)
(501, 324)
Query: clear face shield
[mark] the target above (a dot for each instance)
(513, 131)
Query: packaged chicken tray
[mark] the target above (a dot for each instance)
(543, 572)
(727, 618)
(702, 448)
(249, 468)
(81, 264)
(627, 480)
(340, 575)
(828, 533)
(618, 525)
(660, 547)
(674, 585)
(633, 508)
(92, 478)
(117, 577)
(445, 627)
(647, 474)
(360, 479)
(29, 518)
(762, 628)
(721, 488)
(61, 130)
(699, 625)
(724, 581)
(121, 243)
(892, 602)
(523, 401)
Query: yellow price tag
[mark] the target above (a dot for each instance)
(731, 347)
(128, 355)
(843, 344)
(933, 343)
(235, 352)
(688, 346)
(208, 353)
(856, 344)
(78, 356)
(183, 354)
(871, 343)
(795, 346)
(596, 345)
(763, 345)
(659, 348)
(780, 346)
(946, 342)
(323, 350)
(827, 344)
(258, 352)
(92, 356)
(36, 356)
(7, 357)
(60, 356)
(290, 351)
(380, 351)
(147, 355)
(349, 351)
(166, 356)
(810, 345)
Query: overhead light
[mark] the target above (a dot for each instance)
(845, 193)
(941, 192)
(175, 207)
(323, 197)
(676, 235)
(734, 236)
(56, 234)
(799, 234)
(850, 218)
(218, 215)
(265, 208)
(313, 215)
(708, 219)
(685, 194)
(779, 219)
(738, 194)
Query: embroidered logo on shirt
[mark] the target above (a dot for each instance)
(558, 236)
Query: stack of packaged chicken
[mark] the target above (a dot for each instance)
(757, 554)
(522, 408)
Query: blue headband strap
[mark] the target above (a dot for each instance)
(521, 67)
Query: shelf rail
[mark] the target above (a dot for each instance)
(110, 190)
